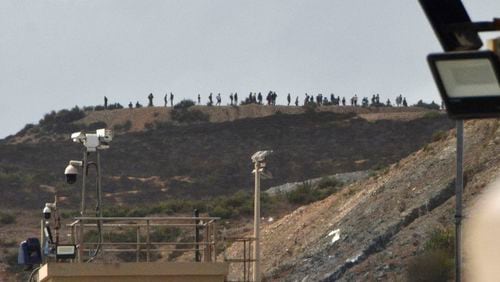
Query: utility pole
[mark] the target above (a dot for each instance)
(256, 225)
(459, 187)
(259, 160)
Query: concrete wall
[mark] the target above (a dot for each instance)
(133, 272)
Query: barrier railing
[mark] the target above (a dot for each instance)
(240, 266)
(145, 237)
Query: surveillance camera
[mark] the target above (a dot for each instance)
(71, 172)
(78, 136)
(260, 156)
(46, 212)
(105, 135)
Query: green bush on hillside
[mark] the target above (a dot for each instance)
(184, 104)
(430, 106)
(124, 127)
(306, 193)
(436, 262)
(439, 135)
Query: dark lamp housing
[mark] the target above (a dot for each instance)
(468, 83)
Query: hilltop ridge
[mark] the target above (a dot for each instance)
(140, 119)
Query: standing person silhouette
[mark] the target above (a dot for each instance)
(105, 102)
(289, 99)
(165, 99)
(219, 99)
(297, 101)
(236, 98)
(199, 99)
(171, 99)
(231, 98)
(150, 98)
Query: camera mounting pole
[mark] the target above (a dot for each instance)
(84, 181)
(484, 26)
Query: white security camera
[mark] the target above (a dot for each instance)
(93, 141)
(105, 135)
(71, 171)
(47, 212)
(78, 137)
(260, 156)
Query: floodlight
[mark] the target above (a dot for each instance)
(468, 83)
(65, 251)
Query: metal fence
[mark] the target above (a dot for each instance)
(146, 238)
(240, 265)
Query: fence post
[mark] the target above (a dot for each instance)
(197, 257)
(147, 240)
(138, 252)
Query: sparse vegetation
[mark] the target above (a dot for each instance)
(436, 263)
(307, 193)
(124, 127)
(61, 121)
(6, 218)
(432, 115)
(184, 104)
(310, 108)
(183, 115)
(439, 135)
(430, 106)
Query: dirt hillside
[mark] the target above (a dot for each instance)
(383, 221)
(149, 115)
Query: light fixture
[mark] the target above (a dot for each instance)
(469, 83)
(467, 79)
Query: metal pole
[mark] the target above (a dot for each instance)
(197, 257)
(99, 203)
(42, 238)
(99, 185)
(459, 186)
(84, 180)
(256, 222)
(147, 241)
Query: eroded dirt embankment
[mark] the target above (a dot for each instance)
(383, 221)
(143, 116)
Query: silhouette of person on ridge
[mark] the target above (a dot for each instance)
(150, 98)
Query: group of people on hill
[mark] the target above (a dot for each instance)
(271, 97)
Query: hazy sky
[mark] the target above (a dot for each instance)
(56, 54)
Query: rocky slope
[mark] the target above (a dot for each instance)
(382, 222)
